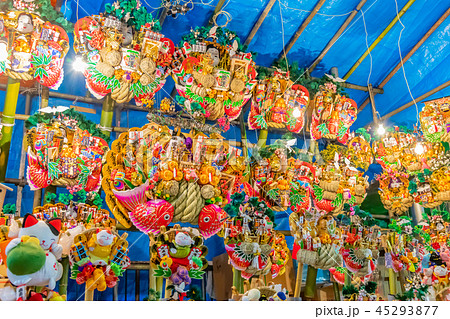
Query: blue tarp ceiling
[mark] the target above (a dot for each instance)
(425, 70)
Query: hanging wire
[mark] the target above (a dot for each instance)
(282, 36)
(401, 61)
(368, 49)
(348, 28)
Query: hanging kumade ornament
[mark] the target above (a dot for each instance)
(213, 75)
(359, 150)
(179, 256)
(278, 103)
(31, 47)
(61, 153)
(434, 120)
(394, 192)
(125, 54)
(98, 258)
(155, 176)
(333, 114)
(390, 148)
(249, 235)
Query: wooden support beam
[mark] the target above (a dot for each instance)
(337, 35)
(379, 38)
(258, 23)
(302, 28)
(361, 87)
(407, 56)
(372, 102)
(420, 98)
(216, 10)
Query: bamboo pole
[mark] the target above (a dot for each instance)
(420, 98)
(379, 38)
(392, 282)
(88, 295)
(238, 281)
(262, 138)
(107, 115)
(9, 112)
(337, 35)
(337, 294)
(408, 56)
(298, 280)
(310, 287)
(65, 276)
(23, 155)
(260, 21)
(302, 28)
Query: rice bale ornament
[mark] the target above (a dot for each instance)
(249, 235)
(60, 153)
(154, 176)
(125, 54)
(213, 75)
(434, 120)
(31, 46)
(98, 257)
(317, 242)
(394, 192)
(279, 103)
(333, 114)
(179, 255)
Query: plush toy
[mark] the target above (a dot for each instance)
(427, 276)
(100, 246)
(29, 264)
(252, 295)
(7, 294)
(440, 275)
(46, 231)
(182, 245)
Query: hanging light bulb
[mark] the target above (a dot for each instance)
(79, 65)
(381, 130)
(296, 112)
(419, 149)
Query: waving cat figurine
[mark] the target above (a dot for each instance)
(46, 231)
(29, 264)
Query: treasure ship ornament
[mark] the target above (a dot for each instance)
(30, 46)
(155, 176)
(213, 74)
(61, 153)
(333, 114)
(124, 52)
(279, 103)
